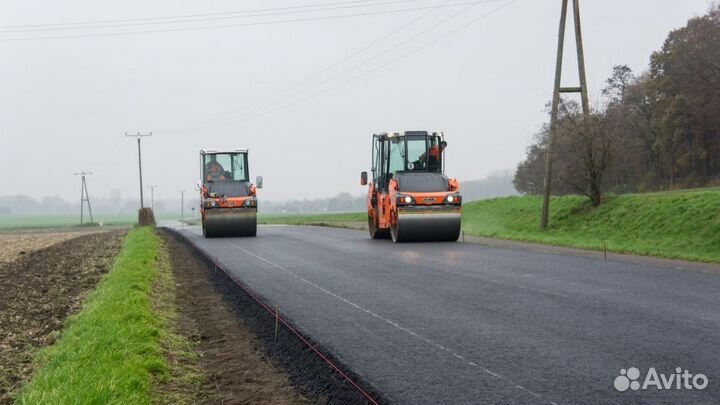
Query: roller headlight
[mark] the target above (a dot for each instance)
(405, 199)
(453, 199)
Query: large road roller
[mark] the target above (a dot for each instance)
(409, 198)
(228, 201)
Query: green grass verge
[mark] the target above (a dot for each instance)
(111, 352)
(678, 224)
(307, 219)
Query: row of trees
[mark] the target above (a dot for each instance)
(656, 130)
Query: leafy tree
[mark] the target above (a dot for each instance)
(655, 130)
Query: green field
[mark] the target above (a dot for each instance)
(678, 224)
(32, 221)
(112, 351)
(315, 219)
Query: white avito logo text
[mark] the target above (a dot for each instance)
(679, 380)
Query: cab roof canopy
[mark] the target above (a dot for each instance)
(393, 134)
(216, 151)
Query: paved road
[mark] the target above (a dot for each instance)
(452, 323)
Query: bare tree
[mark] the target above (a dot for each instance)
(587, 150)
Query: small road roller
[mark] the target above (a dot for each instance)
(409, 198)
(228, 201)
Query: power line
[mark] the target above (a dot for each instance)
(227, 114)
(186, 15)
(384, 65)
(103, 157)
(209, 27)
(369, 59)
(113, 158)
(222, 16)
(271, 108)
(354, 67)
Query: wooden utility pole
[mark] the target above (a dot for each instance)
(84, 197)
(182, 206)
(138, 136)
(547, 185)
(152, 188)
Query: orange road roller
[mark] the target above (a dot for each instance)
(409, 198)
(228, 201)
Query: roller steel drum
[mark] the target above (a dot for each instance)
(426, 225)
(230, 222)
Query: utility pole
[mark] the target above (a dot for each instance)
(84, 196)
(547, 185)
(152, 188)
(139, 136)
(182, 206)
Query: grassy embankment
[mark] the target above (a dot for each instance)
(678, 224)
(115, 350)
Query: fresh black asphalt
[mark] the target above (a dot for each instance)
(453, 323)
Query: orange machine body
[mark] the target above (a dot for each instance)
(212, 201)
(398, 205)
(228, 201)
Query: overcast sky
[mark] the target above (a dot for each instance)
(304, 96)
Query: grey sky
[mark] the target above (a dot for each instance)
(65, 103)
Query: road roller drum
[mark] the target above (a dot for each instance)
(426, 226)
(230, 222)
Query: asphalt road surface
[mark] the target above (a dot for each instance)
(453, 323)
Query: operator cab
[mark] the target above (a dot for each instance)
(225, 173)
(410, 157)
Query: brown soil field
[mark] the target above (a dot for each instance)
(40, 288)
(236, 368)
(16, 244)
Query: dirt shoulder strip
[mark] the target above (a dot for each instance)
(233, 361)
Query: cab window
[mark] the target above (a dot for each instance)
(225, 167)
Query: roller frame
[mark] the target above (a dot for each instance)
(375, 232)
